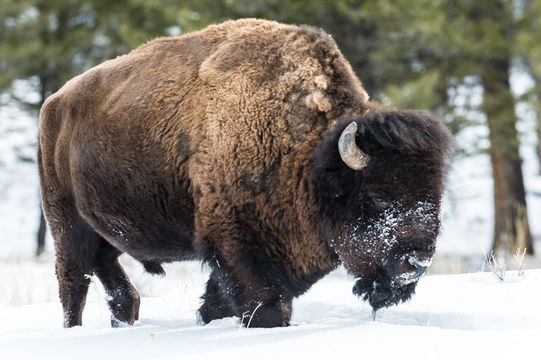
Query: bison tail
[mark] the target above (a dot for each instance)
(154, 268)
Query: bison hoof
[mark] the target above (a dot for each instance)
(208, 313)
(118, 323)
(70, 321)
(115, 323)
(124, 318)
(266, 316)
(124, 309)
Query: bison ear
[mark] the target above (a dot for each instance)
(350, 153)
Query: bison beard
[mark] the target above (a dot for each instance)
(383, 291)
(251, 146)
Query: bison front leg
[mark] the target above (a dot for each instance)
(248, 280)
(217, 304)
(267, 313)
(256, 304)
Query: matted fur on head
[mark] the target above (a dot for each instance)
(405, 130)
(408, 153)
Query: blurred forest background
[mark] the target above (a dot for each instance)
(452, 57)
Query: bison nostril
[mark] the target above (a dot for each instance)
(419, 271)
(417, 263)
(412, 276)
(416, 269)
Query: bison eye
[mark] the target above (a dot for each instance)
(380, 202)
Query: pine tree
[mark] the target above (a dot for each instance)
(491, 25)
(528, 49)
(49, 42)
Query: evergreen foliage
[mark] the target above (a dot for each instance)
(48, 42)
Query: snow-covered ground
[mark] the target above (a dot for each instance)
(471, 316)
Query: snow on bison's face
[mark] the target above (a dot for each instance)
(382, 217)
(390, 252)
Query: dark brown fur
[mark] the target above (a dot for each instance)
(220, 145)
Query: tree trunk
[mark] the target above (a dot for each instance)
(538, 115)
(41, 234)
(42, 229)
(529, 8)
(511, 228)
(537, 104)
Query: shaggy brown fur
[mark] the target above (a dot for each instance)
(221, 145)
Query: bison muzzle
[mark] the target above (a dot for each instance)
(251, 146)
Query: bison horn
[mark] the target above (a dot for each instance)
(350, 153)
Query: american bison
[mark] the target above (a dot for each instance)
(252, 146)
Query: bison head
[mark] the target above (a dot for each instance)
(379, 182)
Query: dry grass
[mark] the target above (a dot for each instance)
(26, 281)
(247, 315)
(496, 264)
(518, 259)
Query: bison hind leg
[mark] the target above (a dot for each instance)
(122, 297)
(75, 244)
(216, 304)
